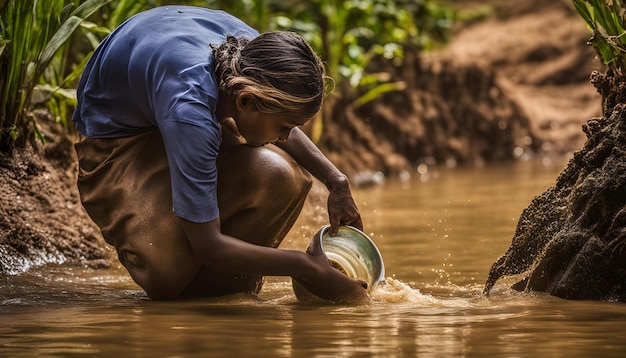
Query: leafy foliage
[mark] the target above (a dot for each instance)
(56, 87)
(349, 34)
(31, 33)
(606, 19)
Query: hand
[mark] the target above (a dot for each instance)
(341, 208)
(327, 282)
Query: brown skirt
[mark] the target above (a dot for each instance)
(124, 183)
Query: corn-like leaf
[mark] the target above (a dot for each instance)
(59, 38)
(606, 20)
(65, 13)
(94, 28)
(583, 11)
(379, 90)
(87, 8)
(606, 51)
(3, 46)
(67, 29)
(31, 33)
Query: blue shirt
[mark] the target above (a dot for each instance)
(156, 71)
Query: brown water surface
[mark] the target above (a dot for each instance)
(438, 238)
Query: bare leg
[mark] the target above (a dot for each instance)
(261, 191)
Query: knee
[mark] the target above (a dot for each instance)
(280, 171)
(160, 281)
(159, 258)
(261, 170)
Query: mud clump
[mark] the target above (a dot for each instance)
(571, 240)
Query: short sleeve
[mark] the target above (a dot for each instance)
(192, 150)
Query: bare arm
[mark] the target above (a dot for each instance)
(341, 206)
(225, 253)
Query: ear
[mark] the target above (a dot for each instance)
(243, 101)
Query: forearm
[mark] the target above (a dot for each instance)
(311, 158)
(237, 257)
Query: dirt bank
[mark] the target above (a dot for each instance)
(41, 218)
(512, 86)
(539, 50)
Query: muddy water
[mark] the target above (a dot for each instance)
(438, 234)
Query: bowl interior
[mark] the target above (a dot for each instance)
(354, 253)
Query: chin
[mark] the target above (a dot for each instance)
(257, 143)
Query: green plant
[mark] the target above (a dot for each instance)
(255, 12)
(56, 88)
(349, 34)
(607, 22)
(31, 33)
(37, 46)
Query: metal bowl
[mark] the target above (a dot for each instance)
(352, 252)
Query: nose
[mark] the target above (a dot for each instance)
(284, 135)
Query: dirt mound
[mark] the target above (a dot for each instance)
(449, 114)
(570, 240)
(41, 218)
(539, 50)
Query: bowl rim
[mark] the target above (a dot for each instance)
(379, 256)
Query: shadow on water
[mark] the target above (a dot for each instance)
(438, 237)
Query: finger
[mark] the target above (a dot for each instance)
(334, 226)
(363, 284)
(315, 246)
(357, 223)
(354, 220)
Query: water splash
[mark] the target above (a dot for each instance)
(393, 291)
(15, 263)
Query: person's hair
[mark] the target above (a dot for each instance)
(278, 71)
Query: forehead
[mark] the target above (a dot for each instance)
(290, 119)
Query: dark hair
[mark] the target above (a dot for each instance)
(278, 71)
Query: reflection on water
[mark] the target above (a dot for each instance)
(438, 239)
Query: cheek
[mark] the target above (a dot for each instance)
(258, 131)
